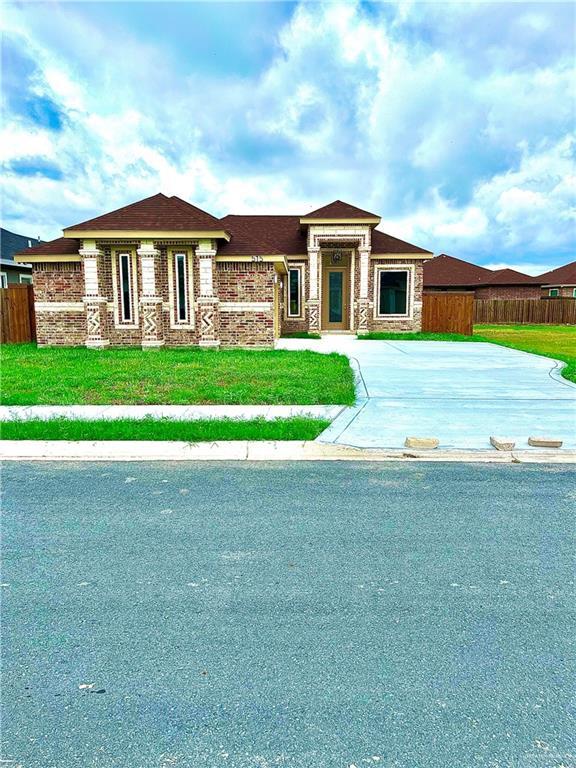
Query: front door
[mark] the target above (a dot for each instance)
(335, 299)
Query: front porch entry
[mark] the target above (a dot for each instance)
(335, 294)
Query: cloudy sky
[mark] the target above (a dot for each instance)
(455, 122)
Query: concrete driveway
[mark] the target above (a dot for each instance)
(459, 392)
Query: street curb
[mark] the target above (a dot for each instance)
(264, 450)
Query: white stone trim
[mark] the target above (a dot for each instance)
(313, 272)
(246, 306)
(59, 306)
(135, 322)
(147, 253)
(364, 253)
(90, 263)
(352, 286)
(207, 256)
(410, 269)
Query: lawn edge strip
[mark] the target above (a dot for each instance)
(163, 429)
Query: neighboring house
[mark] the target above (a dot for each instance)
(447, 273)
(559, 283)
(10, 271)
(162, 271)
(508, 284)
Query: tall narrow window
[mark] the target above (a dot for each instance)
(294, 293)
(181, 272)
(125, 287)
(392, 295)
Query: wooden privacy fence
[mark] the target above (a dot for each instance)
(17, 321)
(517, 311)
(448, 313)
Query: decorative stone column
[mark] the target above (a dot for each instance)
(313, 293)
(208, 303)
(95, 306)
(363, 302)
(150, 302)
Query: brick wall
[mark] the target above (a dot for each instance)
(409, 324)
(60, 329)
(246, 282)
(235, 282)
(508, 292)
(59, 282)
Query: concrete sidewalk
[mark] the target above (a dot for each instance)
(459, 392)
(258, 450)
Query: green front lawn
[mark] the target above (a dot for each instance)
(297, 428)
(557, 341)
(79, 376)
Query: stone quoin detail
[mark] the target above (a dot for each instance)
(164, 272)
(150, 301)
(208, 303)
(94, 304)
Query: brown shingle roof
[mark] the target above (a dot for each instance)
(565, 275)
(383, 243)
(253, 235)
(447, 270)
(509, 277)
(340, 210)
(263, 234)
(154, 213)
(60, 247)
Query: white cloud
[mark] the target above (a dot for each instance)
(454, 128)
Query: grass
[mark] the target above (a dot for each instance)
(79, 376)
(296, 428)
(556, 341)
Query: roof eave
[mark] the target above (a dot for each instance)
(372, 220)
(40, 257)
(149, 234)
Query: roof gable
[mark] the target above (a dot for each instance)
(447, 270)
(158, 212)
(509, 277)
(565, 275)
(341, 211)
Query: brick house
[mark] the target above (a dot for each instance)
(162, 271)
(559, 283)
(447, 273)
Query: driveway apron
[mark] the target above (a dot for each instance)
(459, 392)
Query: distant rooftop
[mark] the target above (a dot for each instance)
(11, 243)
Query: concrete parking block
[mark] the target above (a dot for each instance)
(544, 442)
(502, 443)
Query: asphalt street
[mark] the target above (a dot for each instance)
(306, 615)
